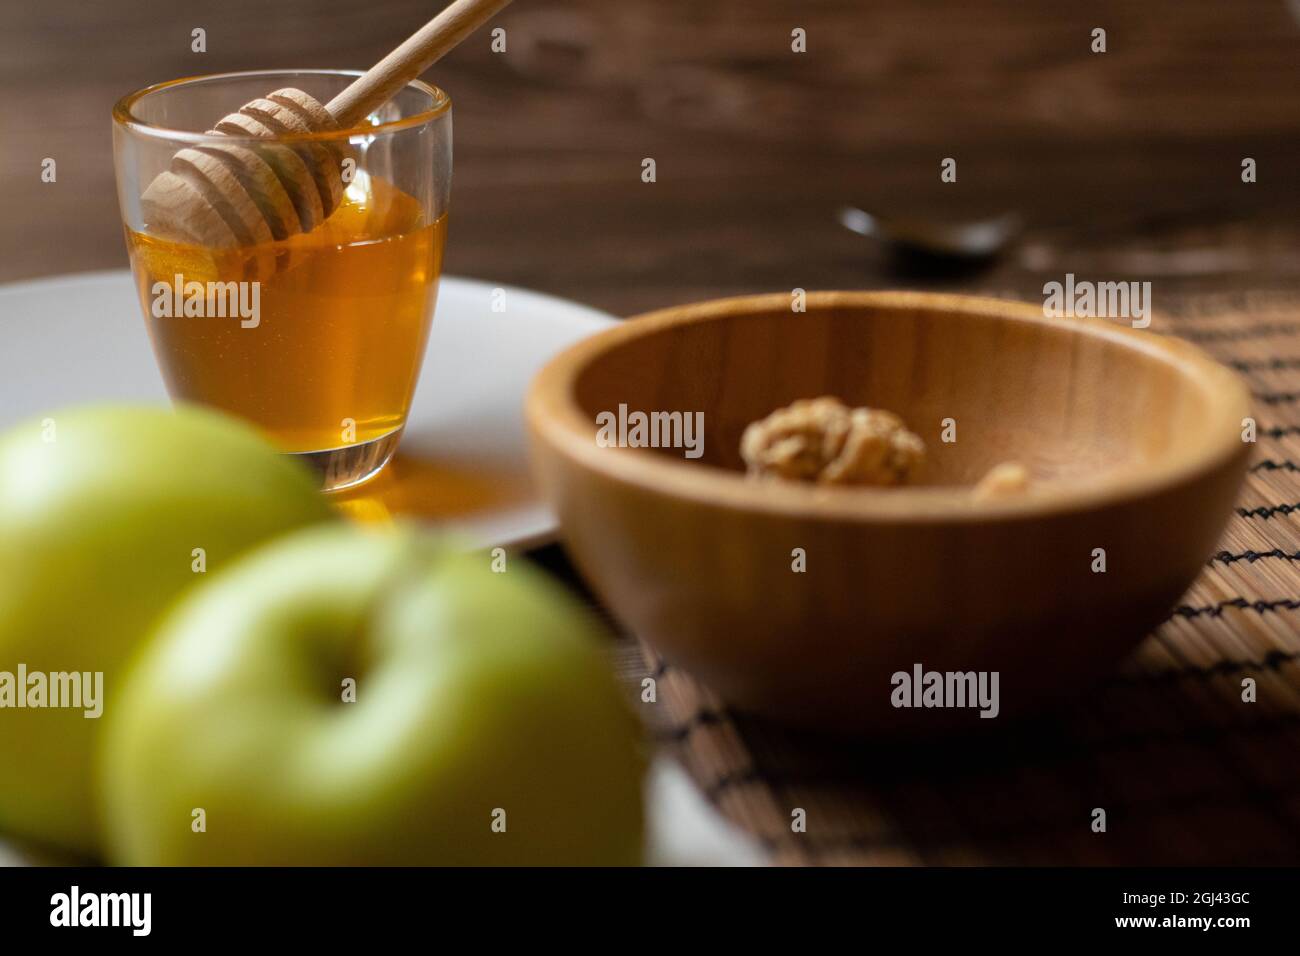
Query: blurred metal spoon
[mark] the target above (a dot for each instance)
(978, 239)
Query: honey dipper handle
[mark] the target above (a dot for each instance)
(420, 51)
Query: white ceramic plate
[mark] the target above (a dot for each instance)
(463, 462)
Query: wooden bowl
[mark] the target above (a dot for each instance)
(1133, 441)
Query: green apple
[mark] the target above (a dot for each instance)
(348, 696)
(106, 515)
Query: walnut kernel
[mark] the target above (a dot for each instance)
(1007, 480)
(825, 441)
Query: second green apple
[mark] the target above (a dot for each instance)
(353, 697)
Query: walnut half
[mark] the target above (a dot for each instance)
(825, 441)
(1007, 480)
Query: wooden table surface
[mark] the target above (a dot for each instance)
(1126, 164)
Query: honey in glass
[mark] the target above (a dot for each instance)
(343, 317)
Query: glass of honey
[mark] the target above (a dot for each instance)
(314, 331)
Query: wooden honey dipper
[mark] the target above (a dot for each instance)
(226, 196)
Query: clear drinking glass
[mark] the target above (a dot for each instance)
(314, 336)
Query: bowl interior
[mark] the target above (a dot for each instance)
(1070, 399)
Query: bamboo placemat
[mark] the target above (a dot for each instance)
(1186, 771)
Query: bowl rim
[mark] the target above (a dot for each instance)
(554, 417)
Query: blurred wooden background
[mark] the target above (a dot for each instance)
(1123, 162)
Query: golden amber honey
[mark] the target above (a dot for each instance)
(343, 317)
